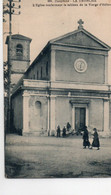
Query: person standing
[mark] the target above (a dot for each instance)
(86, 138)
(64, 132)
(68, 126)
(58, 131)
(95, 142)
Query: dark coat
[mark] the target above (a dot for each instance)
(86, 138)
(58, 131)
(64, 132)
(95, 142)
(68, 126)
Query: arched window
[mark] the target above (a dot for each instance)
(19, 50)
(38, 108)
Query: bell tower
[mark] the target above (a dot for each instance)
(19, 55)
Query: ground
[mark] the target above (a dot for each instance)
(51, 157)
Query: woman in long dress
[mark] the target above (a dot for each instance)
(95, 142)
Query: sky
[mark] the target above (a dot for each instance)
(42, 24)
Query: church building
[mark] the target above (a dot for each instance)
(67, 82)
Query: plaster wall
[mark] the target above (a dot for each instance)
(110, 115)
(19, 66)
(17, 112)
(38, 71)
(15, 78)
(63, 112)
(65, 70)
(80, 39)
(96, 116)
(38, 109)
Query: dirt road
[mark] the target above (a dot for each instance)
(51, 157)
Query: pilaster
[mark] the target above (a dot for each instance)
(73, 117)
(106, 117)
(52, 113)
(52, 66)
(25, 112)
(48, 114)
(106, 69)
(87, 116)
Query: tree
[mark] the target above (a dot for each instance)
(6, 81)
(5, 68)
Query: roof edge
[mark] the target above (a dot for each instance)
(84, 31)
(21, 37)
(38, 56)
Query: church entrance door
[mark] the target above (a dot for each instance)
(80, 118)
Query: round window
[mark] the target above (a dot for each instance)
(80, 65)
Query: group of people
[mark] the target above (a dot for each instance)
(86, 142)
(95, 142)
(65, 128)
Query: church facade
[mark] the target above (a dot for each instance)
(67, 82)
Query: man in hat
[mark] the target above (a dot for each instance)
(86, 138)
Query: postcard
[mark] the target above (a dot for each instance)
(57, 89)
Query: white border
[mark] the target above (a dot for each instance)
(43, 186)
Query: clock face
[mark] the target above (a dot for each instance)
(80, 65)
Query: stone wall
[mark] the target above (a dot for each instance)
(26, 49)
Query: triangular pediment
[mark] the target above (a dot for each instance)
(81, 38)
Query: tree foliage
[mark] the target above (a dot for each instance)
(6, 76)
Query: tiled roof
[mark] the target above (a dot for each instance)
(18, 36)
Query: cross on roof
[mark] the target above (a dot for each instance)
(80, 22)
